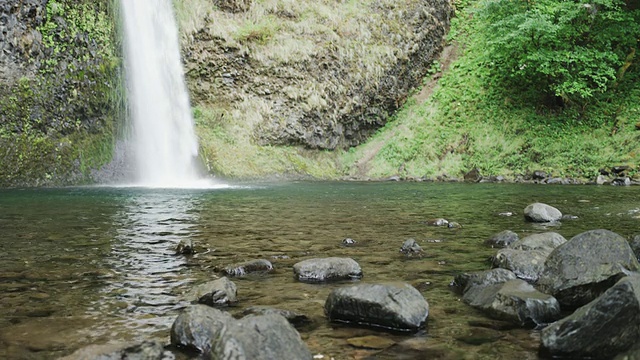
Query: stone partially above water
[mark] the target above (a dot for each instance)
(397, 307)
(581, 269)
(501, 295)
(327, 269)
(608, 325)
(220, 292)
(526, 256)
(196, 326)
(185, 247)
(539, 212)
(526, 264)
(217, 335)
(502, 239)
(248, 267)
(544, 241)
(411, 248)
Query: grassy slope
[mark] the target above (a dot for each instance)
(465, 123)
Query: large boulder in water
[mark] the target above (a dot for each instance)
(539, 212)
(500, 295)
(327, 269)
(526, 256)
(581, 269)
(544, 241)
(608, 325)
(220, 292)
(217, 335)
(398, 307)
(194, 328)
(525, 264)
(465, 281)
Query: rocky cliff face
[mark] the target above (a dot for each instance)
(58, 73)
(323, 75)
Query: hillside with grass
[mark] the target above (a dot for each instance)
(465, 113)
(284, 87)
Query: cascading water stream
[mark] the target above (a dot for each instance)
(163, 139)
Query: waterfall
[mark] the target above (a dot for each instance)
(163, 137)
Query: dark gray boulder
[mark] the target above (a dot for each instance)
(260, 337)
(465, 281)
(248, 267)
(217, 335)
(327, 269)
(608, 325)
(581, 269)
(525, 264)
(539, 212)
(196, 326)
(515, 301)
(294, 318)
(398, 307)
(502, 239)
(544, 241)
(526, 256)
(220, 292)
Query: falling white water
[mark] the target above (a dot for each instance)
(164, 140)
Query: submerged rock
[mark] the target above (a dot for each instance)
(411, 248)
(539, 212)
(601, 329)
(220, 292)
(398, 307)
(327, 269)
(248, 267)
(217, 335)
(502, 239)
(581, 269)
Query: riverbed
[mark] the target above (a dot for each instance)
(91, 265)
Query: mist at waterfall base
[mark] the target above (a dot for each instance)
(163, 145)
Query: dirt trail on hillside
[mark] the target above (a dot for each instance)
(447, 56)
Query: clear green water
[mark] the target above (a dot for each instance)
(82, 266)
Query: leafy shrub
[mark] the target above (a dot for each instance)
(572, 50)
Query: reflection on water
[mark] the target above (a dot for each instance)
(91, 265)
(146, 270)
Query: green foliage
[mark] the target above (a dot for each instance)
(478, 117)
(569, 49)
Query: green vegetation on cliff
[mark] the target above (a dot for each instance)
(59, 93)
(491, 111)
